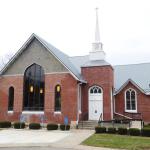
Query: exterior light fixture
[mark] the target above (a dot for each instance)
(31, 89)
(41, 91)
(58, 88)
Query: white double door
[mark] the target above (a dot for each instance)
(95, 106)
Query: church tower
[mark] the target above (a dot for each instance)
(97, 52)
(99, 74)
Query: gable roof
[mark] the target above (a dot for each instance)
(138, 74)
(126, 83)
(60, 56)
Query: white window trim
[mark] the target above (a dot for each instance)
(131, 111)
(57, 112)
(10, 111)
(32, 112)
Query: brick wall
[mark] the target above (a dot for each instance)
(103, 77)
(143, 103)
(68, 97)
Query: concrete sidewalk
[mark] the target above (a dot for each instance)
(25, 137)
(43, 138)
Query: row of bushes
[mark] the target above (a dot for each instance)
(35, 126)
(124, 131)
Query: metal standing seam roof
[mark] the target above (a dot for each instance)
(84, 61)
(64, 58)
(139, 73)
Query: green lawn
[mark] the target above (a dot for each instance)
(118, 141)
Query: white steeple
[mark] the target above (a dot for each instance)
(97, 34)
(97, 52)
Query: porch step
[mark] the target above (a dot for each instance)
(90, 124)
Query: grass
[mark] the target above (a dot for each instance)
(118, 141)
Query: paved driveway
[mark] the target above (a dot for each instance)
(64, 139)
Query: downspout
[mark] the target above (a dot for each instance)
(78, 97)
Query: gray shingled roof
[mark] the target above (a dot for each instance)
(139, 73)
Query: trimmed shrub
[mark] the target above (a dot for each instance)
(19, 125)
(111, 130)
(99, 129)
(122, 131)
(34, 126)
(5, 124)
(51, 126)
(147, 126)
(145, 132)
(134, 131)
(64, 127)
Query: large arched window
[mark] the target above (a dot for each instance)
(130, 101)
(34, 88)
(57, 98)
(10, 99)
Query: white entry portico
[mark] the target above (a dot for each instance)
(95, 103)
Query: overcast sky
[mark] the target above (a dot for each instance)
(70, 25)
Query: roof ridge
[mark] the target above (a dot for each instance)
(50, 44)
(78, 56)
(132, 64)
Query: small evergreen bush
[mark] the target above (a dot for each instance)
(19, 125)
(111, 130)
(99, 129)
(122, 131)
(134, 131)
(5, 124)
(64, 127)
(34, 126)
(51, 126)
(145, 132)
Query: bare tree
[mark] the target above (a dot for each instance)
(5, 59)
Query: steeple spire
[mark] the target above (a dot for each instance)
(97, 34)
(97, 52)
(97, 45)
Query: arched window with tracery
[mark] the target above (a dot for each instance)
(130, 100)
(95, 90)
(34, 88)
(58, 98)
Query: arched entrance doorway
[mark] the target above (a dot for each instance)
(95, 103)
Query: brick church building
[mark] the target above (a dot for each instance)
(42, 80)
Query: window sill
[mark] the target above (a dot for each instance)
(32, 112)
(131, 111)
(10, 112)
(80, 112)
(57, 112)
